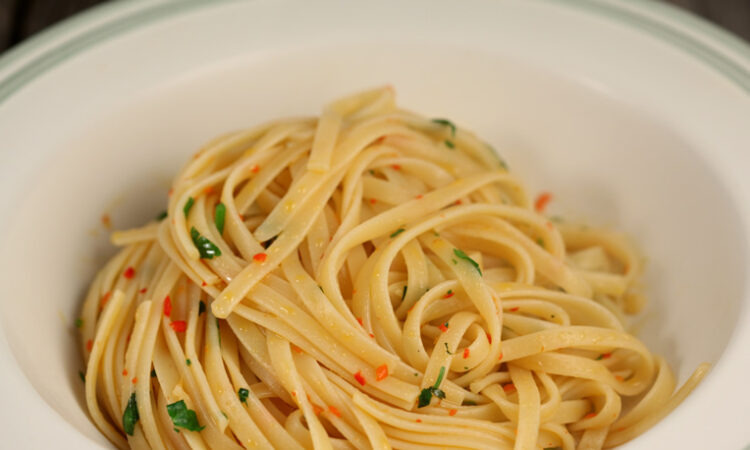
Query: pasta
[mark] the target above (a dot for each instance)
(366, 279)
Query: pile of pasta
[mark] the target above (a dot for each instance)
(369, 278)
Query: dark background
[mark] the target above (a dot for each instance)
(20, 19)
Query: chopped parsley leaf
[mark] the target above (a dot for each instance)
(130, 416)
(188, 205)
(243, 393)
(79, 322)
(188, 362)
(403, 294)
(447, 123)
(183, 417)
(153, 373)
(397, 232)
(82, 376)
(427, 393)
(206, 248)
(446, 349)
(219, 214)
(162, 215)
(464, 256)
(449, 144)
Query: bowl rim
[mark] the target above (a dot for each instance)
(693, 36)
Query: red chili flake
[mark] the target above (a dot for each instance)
(204, 284)
(106, 221)
(510, 387)
(143, 291)
(372, 335)
(380, 139)
(167, 306)
(360, 378)
(104, 299)
(294, 393)
(260, 257)
(381, 372)
(606, 355)
(335, 411)
(589, 415)
(317, 409)
(419, 196)
(171, 191)
(359, 319)
(513, 309)
(443, 328)
(208, 190)
(124, 372)
(541, 202)
(178, 325)
(500, 358)
(296, 349)
(354, 291)
(619, 378)
(419, 420)
(489, 337)
(255, 169)
(449, 294)
(452, 412)
(373, 201)
(134, 380)
(396, 167)
(89, 345)
(466, 352)
(458, 202)
(129, 273)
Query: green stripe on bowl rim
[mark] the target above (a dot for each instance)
(712, 55)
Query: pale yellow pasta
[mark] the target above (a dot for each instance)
(368, 279)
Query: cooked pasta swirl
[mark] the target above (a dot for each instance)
(366, 279)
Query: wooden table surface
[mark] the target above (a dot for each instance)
(20, 19)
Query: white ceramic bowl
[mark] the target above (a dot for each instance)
(633, 114)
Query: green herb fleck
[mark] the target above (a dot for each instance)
(206, 248)
(540, 241)
(551, 316)
(243, 393)
(153, 373)
(269, 242)
(372, 172)
(426, 395)
(454, 260)
(464, 256)
(188, 362)
(397, 232)
(201, 307)
(600, 357)
(403, 293)
(79, 322)
(449, 144)
(219, 214)
(130, 416)
(447, 350)
(176, 430)
(469, 403)
(224, 414)
(183, 417)
(162, 215)
(447, 123)
(416, 374)
(321, 289)
(82, 375)
(188, 205)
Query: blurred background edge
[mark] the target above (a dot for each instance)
(21, 19)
